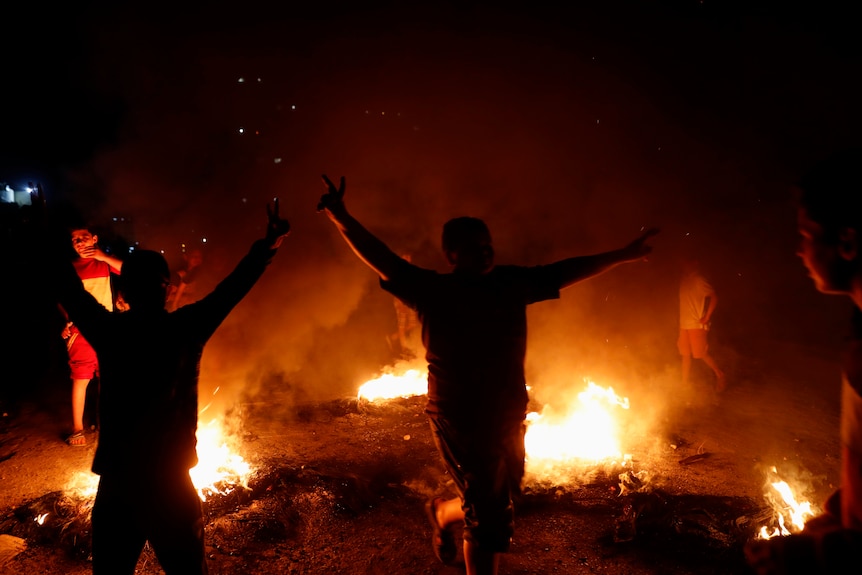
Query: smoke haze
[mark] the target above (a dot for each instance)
(568, 132)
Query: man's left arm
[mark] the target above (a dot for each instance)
(573, 270)
(230, 291)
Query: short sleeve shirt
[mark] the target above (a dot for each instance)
(693, 291)
(474, 329)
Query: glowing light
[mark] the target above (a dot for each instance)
(241, 130)
(83, 484)
(220, 469)
(790, 513)
(40, 519)
(584, 433)
(398, 381)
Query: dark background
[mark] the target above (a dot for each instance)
(568, 128)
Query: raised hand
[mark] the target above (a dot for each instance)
(276, 229)
(638, 249)
(334, 197)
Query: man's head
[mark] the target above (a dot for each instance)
(144, 280)
(830, 222)
(83, 240)
(467, 245)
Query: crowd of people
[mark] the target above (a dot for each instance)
(150, 333)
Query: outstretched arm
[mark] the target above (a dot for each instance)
(364, 244)
(573, 270)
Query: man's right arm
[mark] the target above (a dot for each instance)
(364, 244)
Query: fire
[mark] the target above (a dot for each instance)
(586, 432)
(404, 379)
(220, 469)
(789, 512)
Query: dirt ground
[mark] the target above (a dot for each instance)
(339, 485)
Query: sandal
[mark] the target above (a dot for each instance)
(77, 439)
(442, 540)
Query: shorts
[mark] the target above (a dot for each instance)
(82, 357)
(692, 342)
(163, 509)
(487, 464)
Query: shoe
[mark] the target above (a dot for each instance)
(442, 540)
(77, 439)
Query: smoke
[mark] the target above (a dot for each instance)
(560, 152)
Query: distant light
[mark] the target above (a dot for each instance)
(293, 106)
(241, 80)
(245, 200)
(258, 79)
(203, 240)
(277, 160)
(242, 130)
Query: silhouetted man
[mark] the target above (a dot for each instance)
(149, 360)
(474, 330)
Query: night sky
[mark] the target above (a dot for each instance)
(567, 128)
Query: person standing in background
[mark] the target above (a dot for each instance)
(697, 303)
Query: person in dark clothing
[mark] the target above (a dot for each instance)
(474, 330)
(149, 361)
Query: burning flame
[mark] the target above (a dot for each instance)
(555, 443)
(402, 380)
(220, 469)
(586, 432)
(790, 513)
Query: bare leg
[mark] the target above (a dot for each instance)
(720, 380)
(79, 397)
(480, 562)
(686, 369)
(449, 512)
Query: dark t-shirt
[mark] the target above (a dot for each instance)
(474, 329)
(150, 364)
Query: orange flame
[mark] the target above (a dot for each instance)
(220, 468)
(585, 433)
(791, 514)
